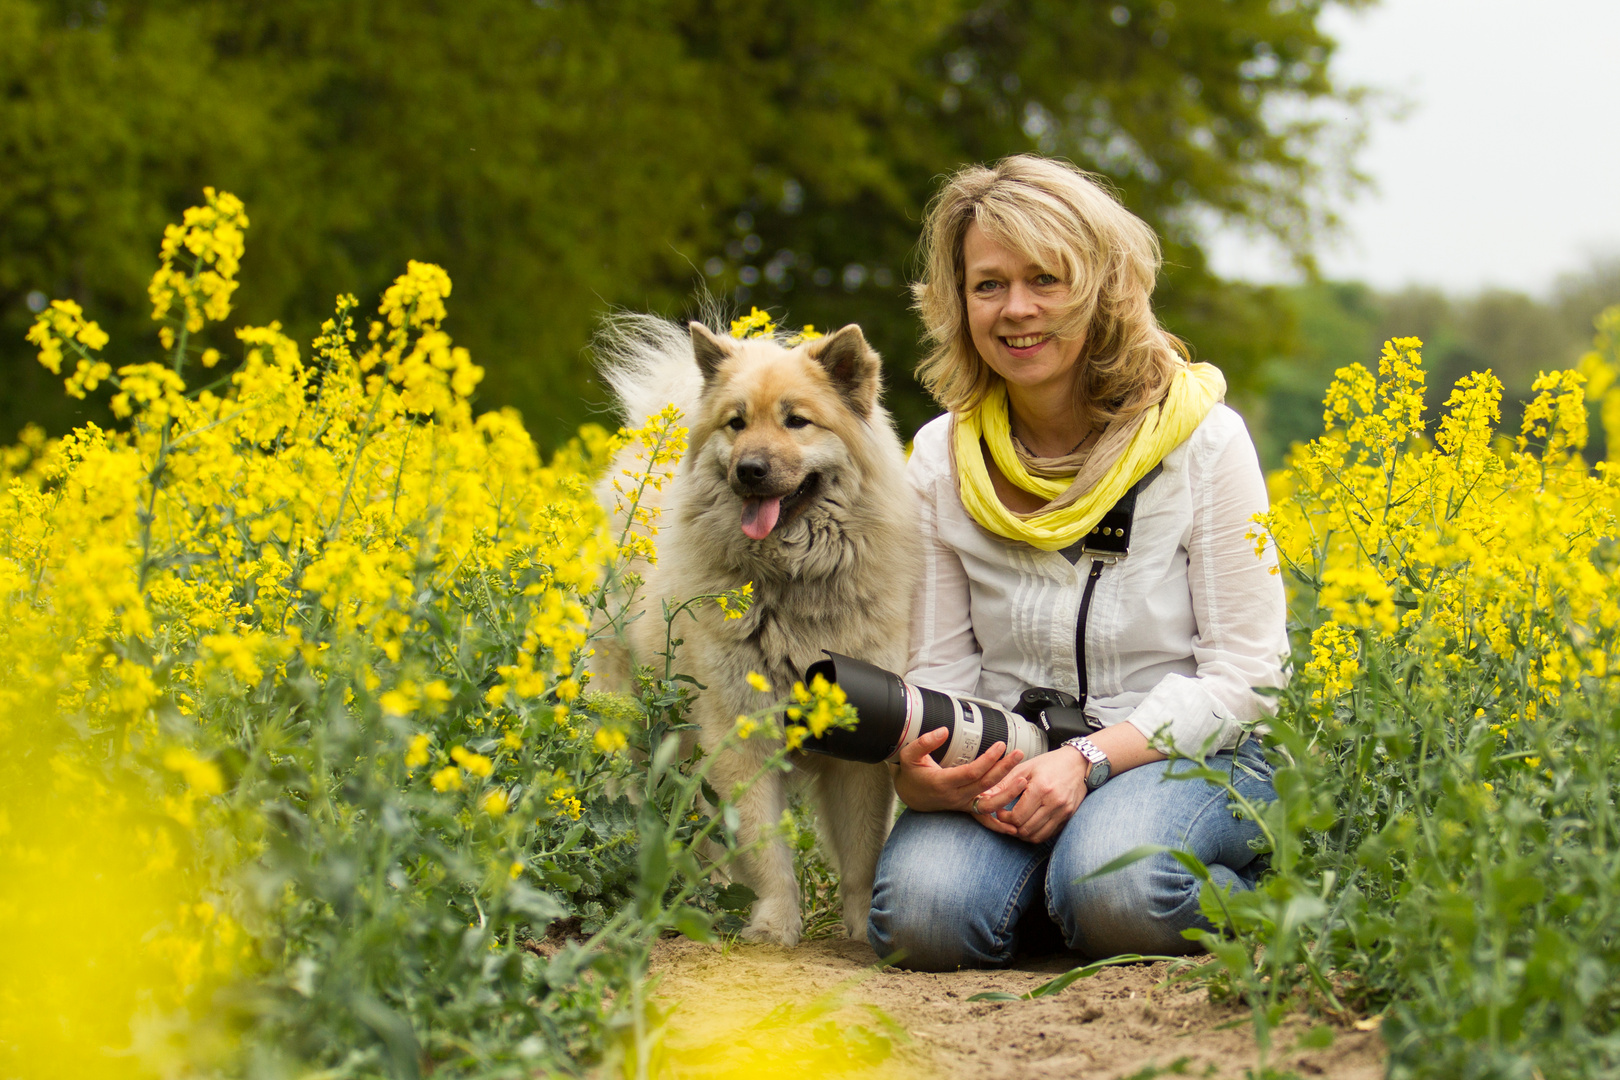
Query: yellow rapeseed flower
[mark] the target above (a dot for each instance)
(416, 755)
(475, 764)
(609, 740)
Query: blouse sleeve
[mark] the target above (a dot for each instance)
(944, 653)
(1241, 642)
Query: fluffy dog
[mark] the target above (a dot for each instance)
(793, 480)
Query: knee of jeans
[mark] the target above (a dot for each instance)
(911, 943)
(1141, 908)
(923, 930)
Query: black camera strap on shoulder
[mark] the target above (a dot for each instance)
(1110, 538)
(1107, 543)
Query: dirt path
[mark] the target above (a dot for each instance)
(819, 1010)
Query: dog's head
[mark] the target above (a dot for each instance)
(786, 428)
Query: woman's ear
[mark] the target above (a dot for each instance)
(854, 367)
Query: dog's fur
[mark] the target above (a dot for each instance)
(837, 570)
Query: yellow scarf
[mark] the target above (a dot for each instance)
(1194, 391)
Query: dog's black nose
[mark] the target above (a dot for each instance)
(752, 470)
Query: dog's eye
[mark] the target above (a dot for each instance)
(736, 423)
(796, 421)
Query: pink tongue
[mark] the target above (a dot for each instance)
(759, 517)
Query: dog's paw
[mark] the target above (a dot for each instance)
(857, 905)
(775, 922)
(855, 915)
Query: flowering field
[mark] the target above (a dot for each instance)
(1446, 839)
(302, 766)
(299, 767)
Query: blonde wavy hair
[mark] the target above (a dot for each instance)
(1066, 220)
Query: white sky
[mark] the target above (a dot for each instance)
(1506, 169)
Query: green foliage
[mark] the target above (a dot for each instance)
(1444, 843)
(1341, 323)
(564, 157)
(292, 691)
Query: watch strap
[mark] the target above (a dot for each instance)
(1101, 768)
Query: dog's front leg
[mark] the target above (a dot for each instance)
(764, 863)
(856, 808)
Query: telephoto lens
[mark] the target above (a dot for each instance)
(892, 713)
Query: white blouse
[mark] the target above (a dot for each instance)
(1180, 632)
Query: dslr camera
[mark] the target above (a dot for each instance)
(893, 713)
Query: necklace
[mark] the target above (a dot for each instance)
(1070, 453)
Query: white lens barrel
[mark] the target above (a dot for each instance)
(969, 738)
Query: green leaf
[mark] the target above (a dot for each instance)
(735, 897)
(561, 879)
(1193, 863)
(665, 755)
(695, 924)
(1074, 975)
(541, 907)
(1135, 855)
(395, 1033)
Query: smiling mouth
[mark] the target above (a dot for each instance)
(1025, 342)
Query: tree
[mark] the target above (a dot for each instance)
(563, 157)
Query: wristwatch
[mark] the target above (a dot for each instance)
(1098, 774)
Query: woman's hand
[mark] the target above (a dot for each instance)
(1049, 789)
(923, 784)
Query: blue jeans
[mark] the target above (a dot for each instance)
(952, 894)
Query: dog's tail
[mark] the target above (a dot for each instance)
(647, 362)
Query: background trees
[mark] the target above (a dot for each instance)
(1512, 335)
(561, 157)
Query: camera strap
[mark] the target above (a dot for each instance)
(1108, 543)
(1110, 539)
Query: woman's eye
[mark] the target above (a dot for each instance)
(736, 423)
(1046, 279)
(797, 421)
(985, 286)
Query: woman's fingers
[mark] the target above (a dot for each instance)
(982, 764)
(1038, 834)
(1043, 812)
(990, 822)
(1015, 780)
(993, 787)
(915, 753)
(1036, 825)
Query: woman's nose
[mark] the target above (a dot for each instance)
(1021, 302)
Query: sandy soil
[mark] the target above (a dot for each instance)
(819, 1009)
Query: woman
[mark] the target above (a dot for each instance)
(1063, 394)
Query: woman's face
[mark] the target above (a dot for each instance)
(1009, 300)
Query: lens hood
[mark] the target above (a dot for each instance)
(879, 699)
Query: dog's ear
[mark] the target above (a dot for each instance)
(854, 367)
(709, 349)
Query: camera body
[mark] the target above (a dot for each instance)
(893, 713)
